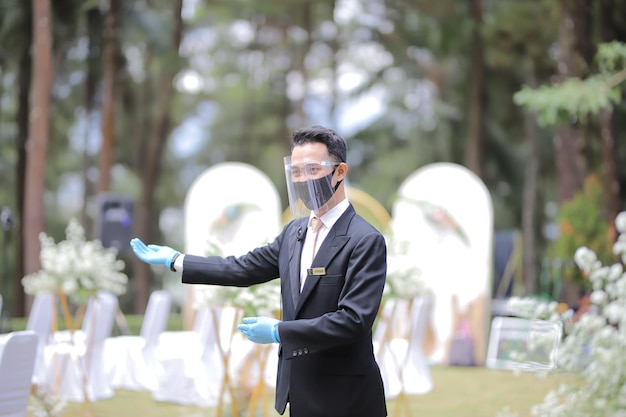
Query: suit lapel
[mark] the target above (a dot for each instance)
(294, 262)
(332, 245)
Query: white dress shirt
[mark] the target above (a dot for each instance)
(328, 221)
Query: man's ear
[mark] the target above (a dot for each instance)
(342, 170)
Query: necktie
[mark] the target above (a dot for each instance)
(316, 225)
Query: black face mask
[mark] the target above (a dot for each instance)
(315, 193)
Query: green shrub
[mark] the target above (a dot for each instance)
(581, 222)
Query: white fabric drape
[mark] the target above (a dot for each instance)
(398, 344)
(75, 368)
(129, 360)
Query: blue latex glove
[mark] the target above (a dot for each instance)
(260, 329)
(153, 254)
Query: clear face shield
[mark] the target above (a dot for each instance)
(309, 185)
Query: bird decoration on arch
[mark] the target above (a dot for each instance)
(439, 218)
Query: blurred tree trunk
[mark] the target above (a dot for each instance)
(477, 94)
(569, 140)
(610, 179)
(38, 131)
(23, 82)
(160, 131)
(111, 33)
(306, 23)
(530, 274)
(335, 47)
(93, 77)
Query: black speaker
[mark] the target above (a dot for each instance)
(115, 221)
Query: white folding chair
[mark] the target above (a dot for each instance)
(190, 363)
(129, 360)
(40, 321)
(383, 332)
(74, 369)
(17, 361)
(404, 368)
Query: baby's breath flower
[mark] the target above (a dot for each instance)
(261, 299)
(620, 222)
(75, 265)
(599, 297)
(593, 346)
(586, 259)
(404, 278)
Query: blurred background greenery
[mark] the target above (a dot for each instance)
(135, 99)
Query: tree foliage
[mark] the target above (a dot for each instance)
(393, 77)
(581, 222)
(576, 98)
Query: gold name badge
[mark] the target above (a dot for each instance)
(316, 271)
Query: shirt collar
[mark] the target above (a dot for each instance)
(331, 216)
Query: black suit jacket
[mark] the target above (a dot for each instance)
(326, 361)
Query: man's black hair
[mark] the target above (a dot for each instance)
(335, 144)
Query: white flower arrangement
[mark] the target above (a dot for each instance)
(261, 299)
(594, 345)
(537, 309)
(43, 404)
(404, 278)
(76, 267)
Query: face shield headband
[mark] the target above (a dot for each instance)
(310, 185)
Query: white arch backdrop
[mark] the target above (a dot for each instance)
(444, 212)
(233, 204)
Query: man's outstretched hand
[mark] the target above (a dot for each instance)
(153, 254)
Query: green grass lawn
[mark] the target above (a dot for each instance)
(458, 392)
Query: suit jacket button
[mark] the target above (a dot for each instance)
(294, 353)
(306, 350)
(299, 352)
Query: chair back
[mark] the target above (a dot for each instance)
(214, 326)
(16, 369)
(88, 316)
(155, 318)
(101, 319)
(40, 322)
(41, 314)
(384, 322)
(420, 317)
(203, 323)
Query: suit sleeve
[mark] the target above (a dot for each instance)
(257, 266)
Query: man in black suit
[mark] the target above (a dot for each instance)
(332, 277)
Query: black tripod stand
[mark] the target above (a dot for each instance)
(6, 218)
